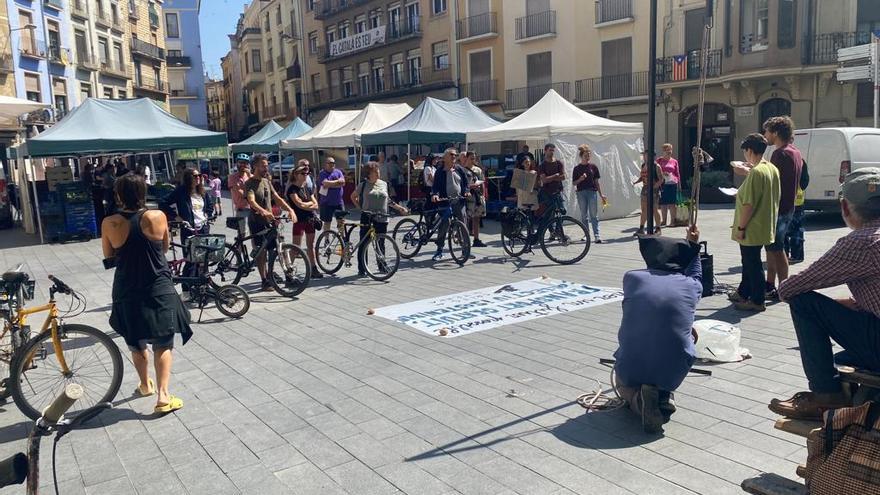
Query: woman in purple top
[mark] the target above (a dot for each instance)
(671, 185)
(216, 191)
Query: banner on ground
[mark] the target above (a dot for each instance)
(491, 307)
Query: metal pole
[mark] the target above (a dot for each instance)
(408, 171)
(876, 62)
(36, 199)
(652, 114)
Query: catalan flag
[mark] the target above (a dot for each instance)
(679, 68)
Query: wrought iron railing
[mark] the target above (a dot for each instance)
(150, 82)
(480, 91)
(326, 8)
(611, 87)
(86, 61)
(146, 49)
(32, 47)
(179, 61)
(686, 67)
(390, 82)
(540, 24)
(821, 49)
(613, 10)
(115, 67)
(521, 98)
(476, 25)
(293, 72)
(405, 28)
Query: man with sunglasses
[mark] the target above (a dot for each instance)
(260, 195)
(331, 182)
(450, 182)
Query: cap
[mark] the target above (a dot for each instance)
(862, 186)
(242, 157)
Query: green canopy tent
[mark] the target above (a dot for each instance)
(293, 130)
(250, 144)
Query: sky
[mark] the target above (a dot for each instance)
(217, 19)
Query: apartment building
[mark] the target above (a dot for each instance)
(215, 95)
(233, 94)
(362, 51)
(148, 54)
(478, 54)
(102, 49)
(186, 78)
(767, 58)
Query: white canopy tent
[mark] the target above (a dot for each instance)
(330, 124)
(616, 147)
(374, 117)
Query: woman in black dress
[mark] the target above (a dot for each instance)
(146, 307)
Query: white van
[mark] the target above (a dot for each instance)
(831, 153)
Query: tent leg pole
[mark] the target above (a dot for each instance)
(408, 171)
(152, 166)
(36, 199)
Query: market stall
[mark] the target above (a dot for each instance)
(433, 121)
(616, 146)
(11, 109)
(273, 143)
(249, 145)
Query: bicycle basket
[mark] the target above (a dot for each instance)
(200, 246)
(235, 223)
(509, 222)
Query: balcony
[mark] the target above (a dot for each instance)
(540, 25)
(272, 111)
(476, 27)
(270, 67)
(102, 18)
(279, 62)
(116, 22)
(406, 28)
(611, 87)
(253, 119)
(293, 72)
(33, 48)
(149, 50)
(390, 85)
(608, 11)
(251, 31)
(55, 4)
(149, 82)
(184, 93)
(115, 68)
(821, 49)
(178, 61)
(58, 55)
(6, 66)
(254, 79)
(481, 92)
(687, 67)
(133, 13)
(523, 98)
(327, 8)
(86, 61)
(78, 8)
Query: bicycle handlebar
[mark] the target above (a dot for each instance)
(60, 286)
(53, 413)
(13, 470)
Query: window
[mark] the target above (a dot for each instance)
(256, 61)
(272, 92)
(379, 75)
(617, 68)
(480, 69)
(32, 87)
(310, 5)
(375, 19)
(117, 52)
(786, 30)
(172, 28)
(108, 92)
(347, 87)
(397, 74)
(266, 24)
(438, 6)
(313, 42)
(330, 35)
(114, 13)
(394, 21)
(103, 49)
(539, 74)
(132, 8)
(867, 20)
(414, 65)
(269, 60)
(54, 40)
(364, 78)
(754, 22)
(121, 94)
(85, 91)
(440, 55)
(175, 53)
(28, 42)
(316, 82)
(59, 88)
(278, 15)
(176, 82)
(694, 23)
(360, 24)
(343, 30)
(864, 100)
(82, 50)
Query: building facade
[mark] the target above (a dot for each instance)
(186, 77)
(234, 98)
(377, 51)
(215, 94)
(149, 77)
(766, 58)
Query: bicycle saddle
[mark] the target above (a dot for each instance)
(341, 214)
(15, 277)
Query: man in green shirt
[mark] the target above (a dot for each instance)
(754, 222)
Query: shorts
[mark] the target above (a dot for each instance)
(157, 343)
(304, 227)
(476, 210)
(669, 194)
(782, 222)
(256, 224)
(656, 194)
(326, 212)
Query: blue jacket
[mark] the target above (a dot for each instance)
(439, 188)
(180, 203)
(656, 347)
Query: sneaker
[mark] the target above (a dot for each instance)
(479, 243)
(316, 273)
(657, 231)
(667, 405)
(749, 306)
(585, 238)
(772, 295)
(652, 418)
(598, 240)
(795, 261)
(809, 405)
(438, 255)
(266, 286)
(639, 232)
(735, 297)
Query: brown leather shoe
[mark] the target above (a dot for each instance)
(806, 405)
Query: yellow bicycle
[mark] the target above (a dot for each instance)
(39, 368)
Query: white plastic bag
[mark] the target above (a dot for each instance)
(718, 341)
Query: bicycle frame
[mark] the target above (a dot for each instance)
(247, 260)
(349, 230)
(50, 323)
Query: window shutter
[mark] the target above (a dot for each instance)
(32, 83)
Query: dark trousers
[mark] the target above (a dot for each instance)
(443, 229)
(817, 320)
(381, 228)
(752, 285)
(794, 238)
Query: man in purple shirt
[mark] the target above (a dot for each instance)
(779, 131)
(656, 347)
(854, 322)
(330, 183)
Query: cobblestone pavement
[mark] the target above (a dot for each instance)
(315, 396)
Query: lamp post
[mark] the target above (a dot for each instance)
(652, 114)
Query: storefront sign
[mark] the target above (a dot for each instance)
(357, 42)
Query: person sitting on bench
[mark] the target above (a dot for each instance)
(656, 338)
(854, 323)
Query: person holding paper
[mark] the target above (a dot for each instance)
(526, 195)
(754, 222)
(331, 180)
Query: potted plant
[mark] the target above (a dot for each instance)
(710, 182)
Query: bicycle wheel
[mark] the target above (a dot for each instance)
(92, 357)
(380, 257)
(409, 235)
(289, 270)
(232, 301)
(565, 240)
(7, 349)
(229, 269)
(515, 235)
(459, 242)
(329, 249)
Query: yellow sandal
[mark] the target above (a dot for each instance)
(151, 389)
(174, 403)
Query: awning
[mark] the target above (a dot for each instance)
(433, 121)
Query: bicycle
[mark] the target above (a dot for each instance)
(289, 268)
(333, 249)
(231, 300)
(410, 235)
(563, 239)
(59, 354)
(20, 467)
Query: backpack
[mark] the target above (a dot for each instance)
(843, 456)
